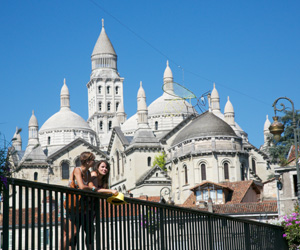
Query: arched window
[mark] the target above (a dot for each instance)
(118, 163)
(113, 166)
(35, 176)
(101, 125)
(49, 140)
(226, 171)
(156, 125)
(124, 189)
(99, 89)
(117, 90)
(117, 106)
(109, 125)
(77, 162)
(149, 161)
(243, 172)
(120, 190)
(253, 166)
(107, 89)
(203, 171)
(65, 170)
(186, 179)
(108, 106)
(100, 106)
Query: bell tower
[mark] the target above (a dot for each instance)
(105, 89)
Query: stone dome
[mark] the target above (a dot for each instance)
(205, 125)
(64, 119)
(169, 105)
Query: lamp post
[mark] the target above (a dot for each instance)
(163, 192)
(277, 128)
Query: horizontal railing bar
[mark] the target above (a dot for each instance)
(64, 189)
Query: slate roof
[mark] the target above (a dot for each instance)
(147, 175)
(204, 125)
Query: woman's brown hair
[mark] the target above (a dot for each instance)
(105, 177)
(86, 156)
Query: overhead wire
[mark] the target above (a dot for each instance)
(171, 60)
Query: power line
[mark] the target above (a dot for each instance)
(171, 60)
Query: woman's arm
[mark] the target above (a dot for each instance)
(78, 177)
(107, 191)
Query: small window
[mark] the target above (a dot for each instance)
(117, 106)
(107, 89)
(109, 125)
(253, 166)
(65, 170)
(198, 195)
(226, 171)
(156, 125)
(108, 106)
(100, 106)
(243, 172)
(186, 175)
(118, 163)
(295, 185)
(49, 140)
(203, 172)
(149, 161)
(117, 90)
(101, 125)
(35, 176)
(99, 89)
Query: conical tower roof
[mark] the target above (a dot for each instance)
(33, 121)
(228, 107)
(103, 44)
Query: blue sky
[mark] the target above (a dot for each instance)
(250, 49)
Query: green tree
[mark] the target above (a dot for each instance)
(160, 160)
(279, 151)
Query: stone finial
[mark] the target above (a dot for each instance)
(102, 23)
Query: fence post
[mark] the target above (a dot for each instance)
(162, 233)
(247, 236)
(210, 234)
(6, 217)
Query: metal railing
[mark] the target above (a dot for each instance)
(34, 218)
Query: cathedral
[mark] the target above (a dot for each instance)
(209, 146)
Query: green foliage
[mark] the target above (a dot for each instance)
(291, 224)
(279, 151)
(160, 160)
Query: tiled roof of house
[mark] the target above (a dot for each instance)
(210, 183)
(236, 205)
(240, 188)
(291, 158)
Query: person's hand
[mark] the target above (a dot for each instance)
(114, 192)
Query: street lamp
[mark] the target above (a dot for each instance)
(277, 128)
(163, 192)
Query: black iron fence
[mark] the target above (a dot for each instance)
(34, 218)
